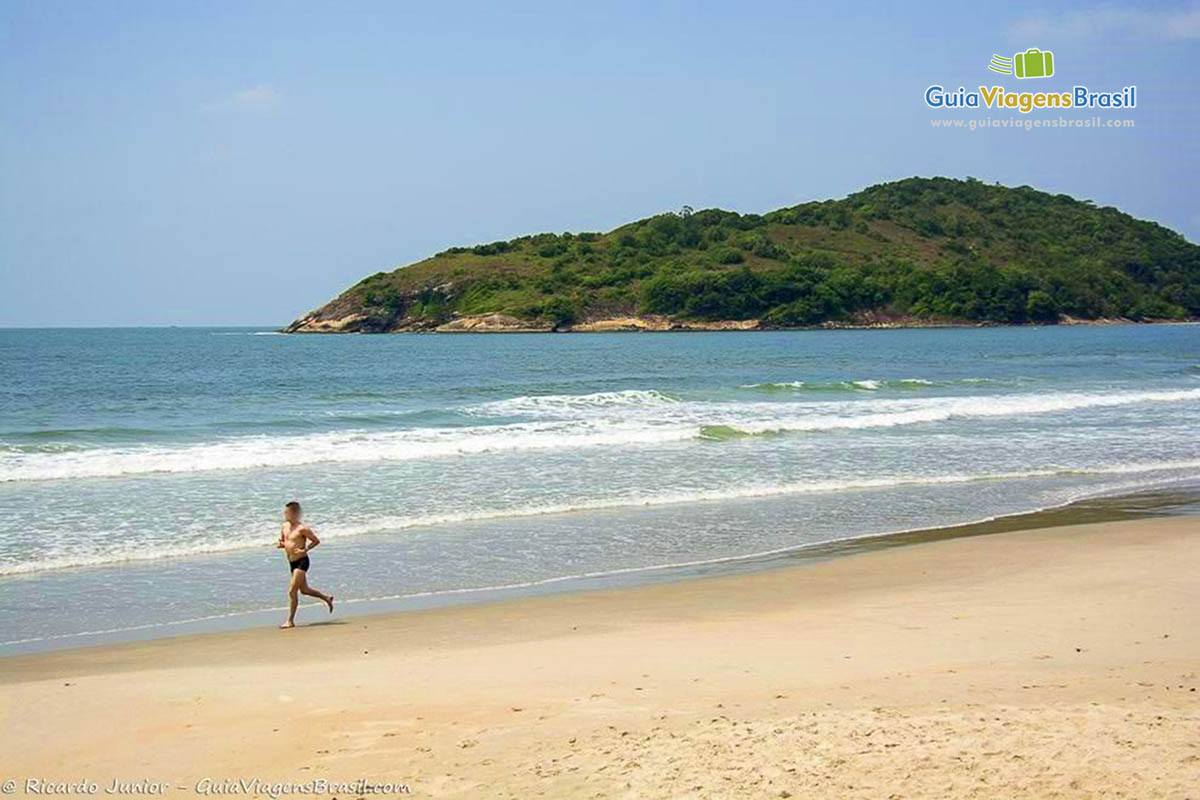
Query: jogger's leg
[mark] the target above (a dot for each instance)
(305, 589)
(293, 599)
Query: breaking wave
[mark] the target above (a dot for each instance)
(871, 384)
(630, 418)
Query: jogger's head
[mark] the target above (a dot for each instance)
(291, 512)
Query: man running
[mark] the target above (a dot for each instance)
(296, 540)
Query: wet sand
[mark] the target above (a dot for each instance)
(1061, 661)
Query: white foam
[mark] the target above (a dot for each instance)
(556, 422)
(142, 552)
(573, 403)
(868, 384)
(783, 385)
(261, 452)
(891, 413)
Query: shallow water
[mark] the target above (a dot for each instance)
(142, 471)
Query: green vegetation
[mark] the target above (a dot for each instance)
(932, 249)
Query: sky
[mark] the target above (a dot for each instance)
(238, 163)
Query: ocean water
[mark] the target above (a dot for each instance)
(142, 471)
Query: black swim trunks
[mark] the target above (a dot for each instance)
(299, 564)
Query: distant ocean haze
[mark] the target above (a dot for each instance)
(154, 468)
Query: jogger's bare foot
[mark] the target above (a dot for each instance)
(288, 624)
(329, 602)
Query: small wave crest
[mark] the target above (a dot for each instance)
(722, 433)
(867, 384)
(557, 404)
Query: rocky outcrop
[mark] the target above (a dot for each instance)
(491, 323)
(334, 319)
(313, 322)
(321, 321)
(658, 324)
(616, 324)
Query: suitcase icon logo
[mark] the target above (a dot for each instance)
(1033, 63)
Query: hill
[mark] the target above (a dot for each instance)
(915, 251)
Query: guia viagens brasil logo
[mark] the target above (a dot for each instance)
(1031, 63)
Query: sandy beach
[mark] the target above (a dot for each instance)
(1061, 662)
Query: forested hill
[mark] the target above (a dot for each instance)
(913, 251)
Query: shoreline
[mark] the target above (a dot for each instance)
(1168, 500)
(503, 323)
(964, 666)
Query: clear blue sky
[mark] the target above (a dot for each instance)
(240, 163)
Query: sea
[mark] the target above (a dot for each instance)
(143, 471)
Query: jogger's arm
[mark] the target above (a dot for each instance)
(311, 538)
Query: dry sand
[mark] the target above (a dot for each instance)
(1062, 662)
